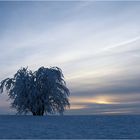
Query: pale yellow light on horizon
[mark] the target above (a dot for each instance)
(94, 100)
(103, 100)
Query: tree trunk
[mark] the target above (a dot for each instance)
(40, 112)
(33, 113)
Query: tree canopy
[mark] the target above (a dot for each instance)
(41, 92)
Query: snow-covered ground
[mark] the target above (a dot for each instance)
(76, 127)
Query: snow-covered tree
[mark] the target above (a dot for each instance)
(41, 92)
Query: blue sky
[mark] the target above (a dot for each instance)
(96, 44)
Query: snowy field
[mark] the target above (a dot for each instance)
(75, 127)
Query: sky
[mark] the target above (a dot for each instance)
(95, 43)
